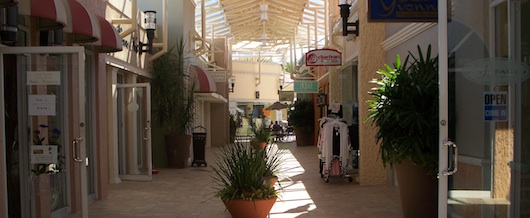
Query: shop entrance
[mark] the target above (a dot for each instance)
(44, 111)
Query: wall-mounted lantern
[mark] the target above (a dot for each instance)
(150, 28)
(345, 14)
(232, 83)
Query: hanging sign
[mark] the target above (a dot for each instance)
(323, 57)
(402, 10)
(305, 86)
(286, 96)
(495, 106)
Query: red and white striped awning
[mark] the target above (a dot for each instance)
(50, 14)
(7, 3)
(82, 24)
(205, 82)
(110, 40)
(206, 90)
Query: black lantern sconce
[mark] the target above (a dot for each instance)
(150, 27)
(232, 83)
(345, 14)
(280, 81)
(8, 23)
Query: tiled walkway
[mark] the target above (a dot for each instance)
(188, 193)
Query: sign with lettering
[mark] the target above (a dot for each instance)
(495, 106)
(402, 10)
(305, 86)
(42, 105)
(496, 71)
(44, 154)
(44, 78)
(323, 57)
(286, 96)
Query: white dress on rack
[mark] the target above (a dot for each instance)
(326, 144)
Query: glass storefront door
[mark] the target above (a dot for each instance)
(45, 116)
(134, 131)
(487, 110)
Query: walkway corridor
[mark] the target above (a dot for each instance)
(187, 193)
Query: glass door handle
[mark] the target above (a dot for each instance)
(75, 150)
(146, 133)
(453, 158)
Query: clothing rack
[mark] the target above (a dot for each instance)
(334, 148)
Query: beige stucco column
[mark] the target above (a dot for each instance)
(371, 58)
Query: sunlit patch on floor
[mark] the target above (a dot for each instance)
(294, 200)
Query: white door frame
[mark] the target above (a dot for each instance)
(80, 143)
(443, 107)
(148, 176)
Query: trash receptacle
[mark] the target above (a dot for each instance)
(199, 146)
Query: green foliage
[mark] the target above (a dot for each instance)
(173, 102)
(261, 133)
(241, 172)
(301, 115)
(54, 138)
(405, 109)
(234, 122)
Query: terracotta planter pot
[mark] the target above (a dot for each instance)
(262, 145)
(239, 208)
(303, 138)
(418, 191)
(177, 150)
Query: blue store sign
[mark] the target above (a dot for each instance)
(496, 106)
(403, 10)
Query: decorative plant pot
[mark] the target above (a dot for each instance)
(303, 138)
(262, 145)
(418, 191)
(239, 208)
(177, 150)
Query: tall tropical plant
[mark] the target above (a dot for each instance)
(405, 110)
(301, 115)
(173, 102)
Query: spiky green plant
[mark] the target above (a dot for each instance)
(240, 172)
(173, 97)
(405, 110)
(261, 133)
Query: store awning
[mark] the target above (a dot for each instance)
(82, 24)
(7, 3)
(50, 14)
(110, 40)
(206, 88)
(205, 82)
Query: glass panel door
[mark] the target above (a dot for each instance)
(49, 115)
(134, 123)
(486, 95)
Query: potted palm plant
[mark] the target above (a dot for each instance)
(242, 176)
(233, 121)
(301, 117)
(405, 110)
(262, 136)
(173, 104)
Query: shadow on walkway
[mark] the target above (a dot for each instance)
(188, 193)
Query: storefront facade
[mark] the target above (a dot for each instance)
(484, 62)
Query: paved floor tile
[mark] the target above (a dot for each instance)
(188, 193)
